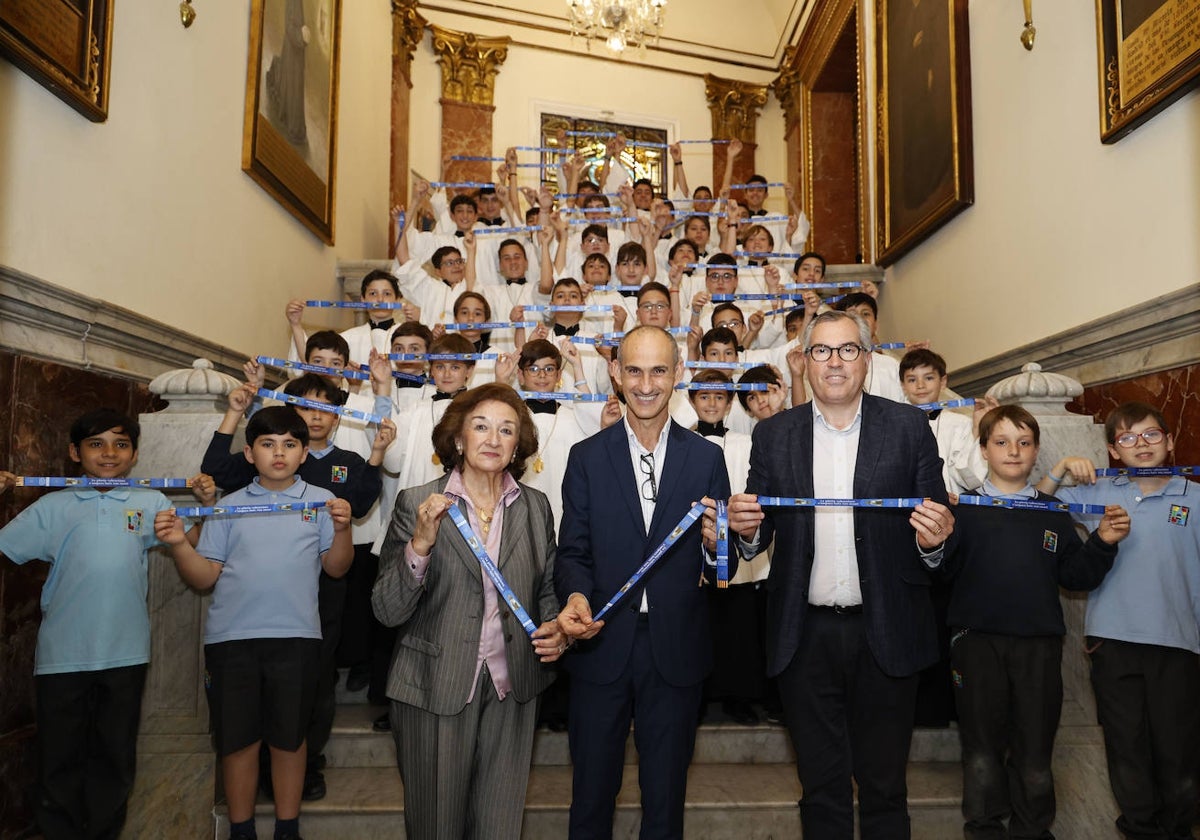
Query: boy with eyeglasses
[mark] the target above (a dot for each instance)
(1143, 625)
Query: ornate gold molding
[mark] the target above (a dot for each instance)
(469, 64)
(408, 28)
(788, 87)
(735, 106)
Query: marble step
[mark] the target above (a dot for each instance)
(354, 744)
(748, 802)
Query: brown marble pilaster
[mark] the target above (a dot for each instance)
(735, 107)
(834, 177)
(408, 28)
(469, 67)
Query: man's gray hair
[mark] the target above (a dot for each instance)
(864, 332)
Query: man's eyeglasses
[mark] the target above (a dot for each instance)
(823, 352)
(649, 485)
(1128, 440)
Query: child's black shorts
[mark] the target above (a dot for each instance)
(261, 689)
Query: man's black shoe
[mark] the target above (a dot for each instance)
(383, 723)
(314, 786)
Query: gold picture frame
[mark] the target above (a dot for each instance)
(289, 138)
(926, 171)
(66, 45)
(1149, 56)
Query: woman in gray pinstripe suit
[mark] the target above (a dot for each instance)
(464, 673)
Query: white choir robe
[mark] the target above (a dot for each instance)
(736, 446)
(557, 433)
(408, 461)
(963, 467)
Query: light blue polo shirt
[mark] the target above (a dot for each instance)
(1152, 594)
(94, 601)
(268, 587)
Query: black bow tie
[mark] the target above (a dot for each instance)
(756, 263)
(497, 222)
(520, 281)
(542, 406)
(410, 383)
(460, 233)
(710, 429)
(933, 415)
(754, 213)
(442, 395)
(559, 329)
(383, 325)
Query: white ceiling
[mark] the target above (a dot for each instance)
(733, 38)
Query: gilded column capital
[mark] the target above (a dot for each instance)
(408, 28)
(469, 64)
(734, 106)
(787, 87)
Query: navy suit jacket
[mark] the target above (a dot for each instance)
(897, 457)
(602, 542)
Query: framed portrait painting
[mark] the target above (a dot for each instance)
(1149, 57)
(925, 173)
(289, 139)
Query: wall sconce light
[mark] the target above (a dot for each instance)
(1028, 34)
(186, 13)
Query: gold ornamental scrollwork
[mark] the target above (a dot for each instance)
(788, 87)
(408, 28)
(735, 107)
(469, 64)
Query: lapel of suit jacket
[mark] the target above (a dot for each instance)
(458, 543)
(798, 449)
(870, 447)
(516, 531)
(622, 464)
(672, 471)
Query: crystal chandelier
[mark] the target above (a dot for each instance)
(619, 23)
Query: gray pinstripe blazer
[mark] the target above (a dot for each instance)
(440, 619)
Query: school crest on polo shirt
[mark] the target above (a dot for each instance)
(340, 474)
(1178, 515)
(308, 515)
(1049, 541)
(133, 521)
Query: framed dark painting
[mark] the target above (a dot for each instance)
(289, 138)
(65, 45)
(1149, 56)
(925, 174)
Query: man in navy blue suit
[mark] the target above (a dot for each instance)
(849, 617)
(624, 491)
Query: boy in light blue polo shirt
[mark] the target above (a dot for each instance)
(1143, 626)
(263, 634)
(94, 641)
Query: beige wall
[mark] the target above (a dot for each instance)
(151, 210)
(1064, 229)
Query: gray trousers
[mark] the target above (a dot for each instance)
(465, 775)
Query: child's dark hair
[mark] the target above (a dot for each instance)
(631, 251)
(539, 348)
(857, 299)
(598, 258)
(721, 258)
(762, 373)
(727, 306)
(327, 340)
(460, 200)
(653, 286)
(100, 420)
(698, 218)
(681, 243)
(276, 420)
(594, 230)
(1126, 416)
(1014, 414)
(566, 282)
(378, 274)
(808, 255)
(414, 329)
(709, 375)
(793, 316)
(443, 252)
(756, 179)
(922, 358)
(314, 383)
(452, 343)
(718, 335)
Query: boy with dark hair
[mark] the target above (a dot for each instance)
(93, 644)
(883, 377)
(262, 637)
(763, 404)
(1143, 625)
(923, 378)
(377, 286)
(1007, 624)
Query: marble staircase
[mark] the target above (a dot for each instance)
(742, 784)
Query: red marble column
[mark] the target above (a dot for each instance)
(466, 130)
(834, 177)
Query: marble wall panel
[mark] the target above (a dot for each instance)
(43, 399)
(467, 130)
(1175, 392)
(834, 179)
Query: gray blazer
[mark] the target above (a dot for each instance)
(440, 618)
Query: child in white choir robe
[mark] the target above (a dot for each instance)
(378, 286)
(739, 676)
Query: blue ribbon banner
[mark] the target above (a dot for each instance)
(644, 144)
(546, 150)
(722, 365)
(713, 142)
(783, 501)
(848, 284)
(585, 210)
(781, 310)
(684, 524)
(489, 566)
(503, 231)
(591, 133)
(586, 339)
(477, 157)
(722, 544)
(86, 481)
(411, 377)
(891, 345)
(441, 357)
(244, 510)
(752, 186)
(1148, 471)
(353, 413)
(536, 165)
(581, 195)
(491, 325)
(352, 304)
(616, 288)
(348, 373)
(464, 185)
(573, 307)
(612, 339)
(619, 220)
(562, 396)
(757, 220)
(1028, 504)
(722, 386)
(935, 406)
(774, 255)
(751, 296)
(690, 213)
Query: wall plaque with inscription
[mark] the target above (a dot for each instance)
(65, 45)
(1149, 57)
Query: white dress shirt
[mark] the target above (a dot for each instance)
(834, 577)
(659, 454)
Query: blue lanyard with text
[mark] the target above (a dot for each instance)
(489, 566)
(243, 510)
(679, 530)
(722, 544)
(562, 396)
(348, 373)
(1029, 504)
(86, 481)
(934, 406)
(783, 501)
(1148, 471)
(354, 413)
